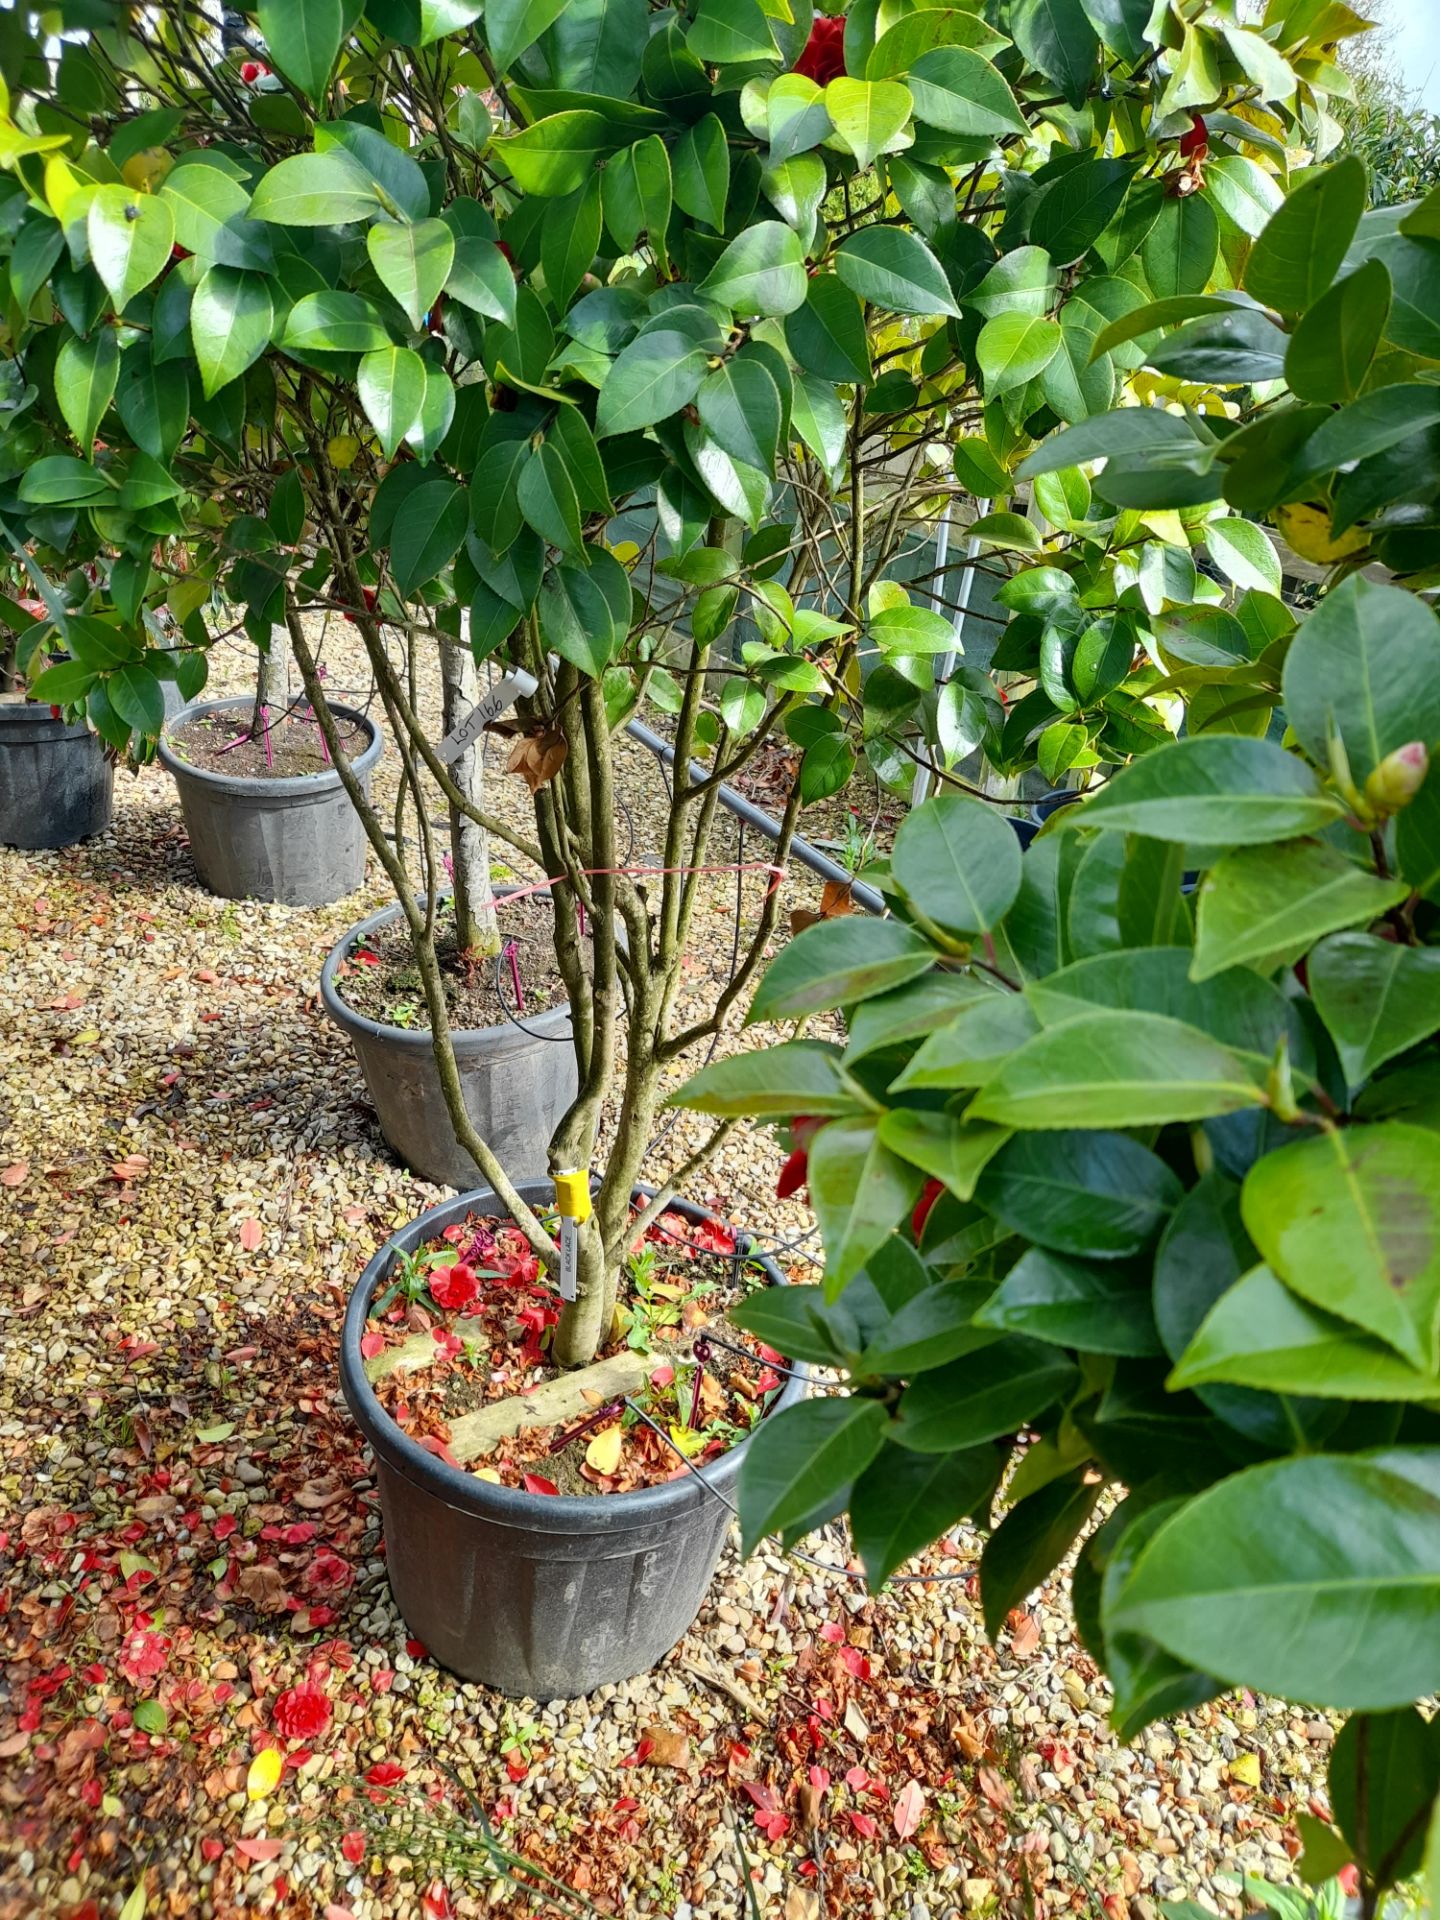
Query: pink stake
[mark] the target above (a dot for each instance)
(265, 726)
(324, 747)
(515, 975)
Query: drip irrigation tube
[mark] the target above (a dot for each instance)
(819, 863)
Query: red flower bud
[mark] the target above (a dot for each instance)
(253, 70)
(1196, 140)
(823, 59)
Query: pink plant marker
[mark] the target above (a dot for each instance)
(580, 910)
(265, 728)
(515, 976)
(324, 746)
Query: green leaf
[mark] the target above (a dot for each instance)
(328, 189)
(1214, 789)
(1179, 252)
(1334, 343)
(973, 1046)
(412, 262)
(1013, 348)
(825, 768)
(303, 37)
(554, 156)
(798, 1076)
(1057, 37)
(1266, 906)
(130, 237)
(153, 402)
(1099, 1195)
(950, 1150)
(135, 695)
(230, 321)
(570, 239)
(585, 611)
(1030, 1542)
(64, 684)
(801, 1457)
(959, 92)
(859, 1190)
(1244, 554)
(86, 372)
(1125, 433)
(1070, 213)
(868, 114)
(1243, 192)
(797, 1323)
(332, 322)
(60, 479)
(958, 863)
(546, 496)
(1298, 253)
(150, 1717)
(739, 406)
(904, 1500)
(795, 117)
(837, 962)
(910, 1012)
(700, 165)
(1384, 1774)
(1366, 665)
(997, 1391)
(1149, 1683)
(827, 334)
(209, 211)
(513, 25)
(651, 379)
(1350, 1219)
(391, 384)
(894, 269)
(1259, 1334)
(1377, 998)
(912, 630)
(482, 278)
(429, 530)
(1349, 1545)
(1119, 1069)
(725, 31)
(761, 272)
(1074, 1303)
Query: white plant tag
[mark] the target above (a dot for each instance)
(517, 685)
(569, 1257)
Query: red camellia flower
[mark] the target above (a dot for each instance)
(1196, 140)
(796, 1170)
(301, 1713)
(454, 1287)
(824, 57)
(929, 1194)
(253, 70)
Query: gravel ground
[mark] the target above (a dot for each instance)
(190, 1179)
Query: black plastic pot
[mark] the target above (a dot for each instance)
(297, 841)
(542, 1596)
(56, 784)
(517, 1081)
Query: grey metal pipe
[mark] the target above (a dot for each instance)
(743, 809)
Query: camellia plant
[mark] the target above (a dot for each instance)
(391, 313)
(1127, 1164)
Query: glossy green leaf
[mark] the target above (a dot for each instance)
(1179, 252)
(761, 272)
(230, 321)
(412, 262)
(904, 1500)
(1118, 1068)
(958, 863)
(1093, 1307)
(730, 30)
(1377, 999)
(984, 1396)
(1333, 345)
(1013, 348)
(1384, 1774)
(973, 1046)
(1213, 789)
(798, 1076)
(867, 115)
(795, 116)
(316, 190)
(556, 154)
(391, 384)
(1300, 250)
(700, 165)
(333, 322)
(1030, 1542)
(1101, 1196)
(953, 1151)
(585, 611)
(130, 237)
(1366, 665)
(428, 533)
(895, 270)
(482, 278)
(1350, 1219)
(739, 406)
(654, 377)
(1056, 37)
(1350, 1546)
(801, 1456)
(1266, 906)
(86, 372)
(1070, 213)
(837, 962)
(1244, 554)
(304, 38)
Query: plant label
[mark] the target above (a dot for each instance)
(516, 685)
(569, 1256)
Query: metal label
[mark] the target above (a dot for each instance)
(569, 1257)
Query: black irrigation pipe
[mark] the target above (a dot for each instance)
(819, 863)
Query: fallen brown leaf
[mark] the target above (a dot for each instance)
(16, 1175)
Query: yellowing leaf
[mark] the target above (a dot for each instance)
(343, 450)
(1245, 1768)
(488, 1473)
(264, 1775)
(145, 170)
(603, 1452)
(87, 1038)
(134, 1907)
(687, 1440)
(1307, 529)
(668, 1290)
(112, 1806)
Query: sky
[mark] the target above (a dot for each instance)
(1412, 29)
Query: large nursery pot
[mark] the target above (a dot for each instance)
(56, 783)
(545, 1596)
(297, 841)
(517, 1081)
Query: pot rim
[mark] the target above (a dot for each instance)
(36, 713)
(552, 1025)
(246, 787)
(512, 1506)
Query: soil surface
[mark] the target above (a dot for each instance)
(381, 980)
(481, 1312)
(222, 743)
(192, 1565)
